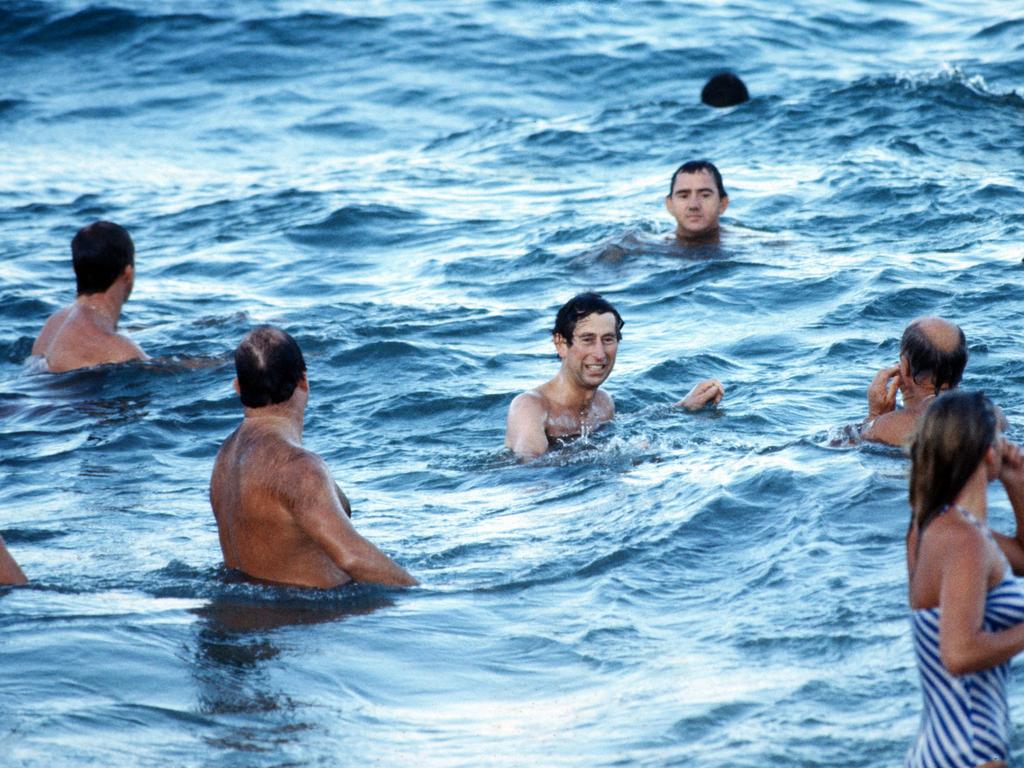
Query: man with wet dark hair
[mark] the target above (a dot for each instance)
(280, 516)
(269, 365)
(586, 336)
(577, 308)
(85, 333)
(696, 198)
(724, 90)
(933, 355)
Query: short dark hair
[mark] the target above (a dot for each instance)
(580, 306)
(923, 357)
(696, 166)
(269, 365)
(724, 90)
(99, 254)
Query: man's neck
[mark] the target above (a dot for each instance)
(103, 308)
(570, 395)
(711, 237)
(917, 398)
(282, 418)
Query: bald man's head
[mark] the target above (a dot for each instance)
(936, 352)
(269, 365)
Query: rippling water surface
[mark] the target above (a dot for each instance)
(412, 189)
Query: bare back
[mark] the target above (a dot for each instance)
(75, 337)
(260, 490)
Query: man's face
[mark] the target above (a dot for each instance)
(695, 204)
(591, 356)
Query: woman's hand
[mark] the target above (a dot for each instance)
(1011, 473)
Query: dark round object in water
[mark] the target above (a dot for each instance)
(724, 90)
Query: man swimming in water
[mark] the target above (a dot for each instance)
(696, 199)
(933, 355)
(10, 573)
(85, 332)
(586, 336)
(280, 516)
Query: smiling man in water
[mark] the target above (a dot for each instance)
(85, 333)
(696, 199)
(280, 516)
(586, 335)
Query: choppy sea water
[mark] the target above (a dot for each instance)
(412, 189)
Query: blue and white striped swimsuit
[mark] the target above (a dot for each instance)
(966, 719)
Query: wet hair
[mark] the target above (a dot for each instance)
(724, 90)
(580, 306)
(99, 254)
(269, 365)
(954, 434)
(923, 357)
(696, 166)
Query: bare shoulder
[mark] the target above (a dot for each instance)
(894, 428)
(605, 402)
(528, 403)
(956, 540)
(50, 329)
(526, 427)
(123, 349)
(300, 473)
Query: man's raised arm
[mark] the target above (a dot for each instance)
(318, 511)
(707, 391)
(524, 430)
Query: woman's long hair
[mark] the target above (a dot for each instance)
(951, 441)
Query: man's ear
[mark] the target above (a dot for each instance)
(303, 383)
(668, 203)
(561, 347)
(905, 369)
(723, 205)
(236, 387)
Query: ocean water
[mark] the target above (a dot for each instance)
(412, 189)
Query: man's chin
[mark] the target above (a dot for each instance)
(697, 235)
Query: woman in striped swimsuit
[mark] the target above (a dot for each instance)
(967, 609)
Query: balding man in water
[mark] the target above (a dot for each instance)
(280, 515)
(586, 336)
(84, 333)
(933, 355)
(696, 198)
